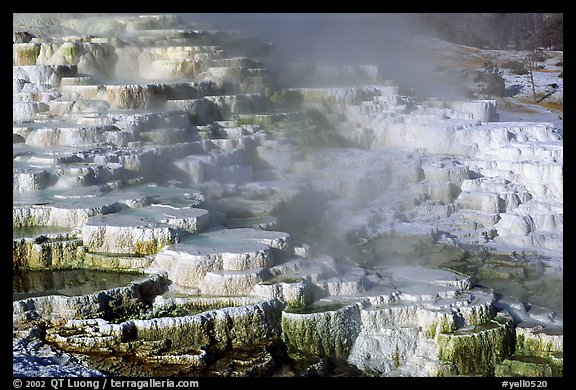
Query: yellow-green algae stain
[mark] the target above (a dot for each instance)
(328, 334)
(149, 247)
(286, 98)
(527, 342)
(118, 263)
(71, 52)
(479, 349)
(30, 218)
(520, 365)
(445, 324)
(29, 254)
(26, 53)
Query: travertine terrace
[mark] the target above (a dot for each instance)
(268, 224)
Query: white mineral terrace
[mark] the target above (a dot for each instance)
(140, 144)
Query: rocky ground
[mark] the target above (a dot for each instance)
(355, 228)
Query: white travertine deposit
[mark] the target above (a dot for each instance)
(338, 220)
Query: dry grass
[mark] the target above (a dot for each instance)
(459, 63)
(519, 108)
(548, 70)
(554, 106)
(471, 62)
(468, 49)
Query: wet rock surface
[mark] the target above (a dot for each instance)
(314, 231)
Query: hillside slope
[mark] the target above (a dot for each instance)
(540, 100)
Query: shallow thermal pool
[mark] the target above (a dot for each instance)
(73, 282)
(522, 278)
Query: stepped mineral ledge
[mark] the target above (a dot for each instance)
(274, 231)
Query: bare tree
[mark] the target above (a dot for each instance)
(530, 64)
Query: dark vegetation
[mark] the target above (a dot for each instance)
(532, 32)
(516, 31)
